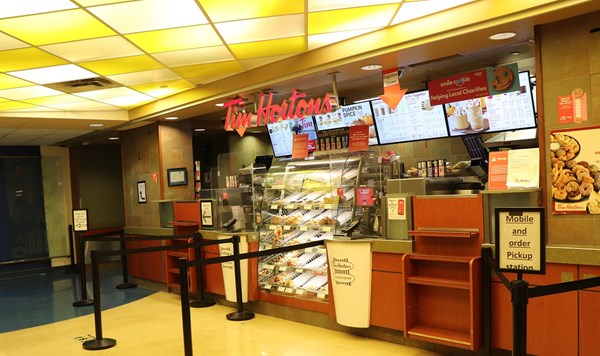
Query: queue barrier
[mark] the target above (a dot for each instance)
(100, 342)
(520, 295)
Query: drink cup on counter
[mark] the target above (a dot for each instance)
(461, 122)
(475, 117)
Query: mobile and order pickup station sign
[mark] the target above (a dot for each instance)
(520, 240)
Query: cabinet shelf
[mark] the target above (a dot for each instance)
(438, 282)
(442, 335)
(455, 233)
(178, 254)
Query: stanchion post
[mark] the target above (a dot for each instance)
(486, 285)
(519, 301)
(99, 343)
(240, 314)
(72, 267)
(201, 302)
(84, 301)
(124, 268)
(186, 317)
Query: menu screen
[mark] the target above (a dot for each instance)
(503, 112)
(346, 116)
(281, 133)
(413, 119)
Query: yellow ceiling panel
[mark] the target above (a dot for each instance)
(269, 48)
(200, 73)
(316, 41)
(193, 56)
(144, 77)
(149, 15)
(94, 49)
(323, 5)
(7, 42)
(14, 105)
(415, 9)
(29, 7)
(122, 65)
(350, 19)
(54, 100)
(176, 38)
(164, 89)
(70, 25)
(7, 82)
(27, 58)
(262, 29)
(220, 11)
(33, 91)
(99, 2)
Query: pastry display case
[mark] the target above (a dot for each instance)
(303, 201)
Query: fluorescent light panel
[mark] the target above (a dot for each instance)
(54, 74)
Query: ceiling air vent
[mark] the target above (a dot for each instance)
(82, 85)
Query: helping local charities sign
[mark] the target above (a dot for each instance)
(476, 84)
(520, 242)
(295, 107)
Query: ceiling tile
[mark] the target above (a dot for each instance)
(164, 88)
(13, 105)
(121, 97)
(107, 93)
(148, 15)
(176, 38)
(219, 12)
(416, 9)
(34, 91)
(122, 65)
(144, 77)
(252, 63)
(54, 100)
(12, 8)
(7, 42)
(262, 29)
(54, 74)
(194, 56)
(323, 5)
(99, 2)
(27, 58)
(70, 25)
(93, 49)
(87, 105)
(269, 48)
(324, 39)
(350, 19)
(202, 73)
(7, 81)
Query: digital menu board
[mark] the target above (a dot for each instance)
(503, 112)
(281, 133)
(413, 119)
(346, 116)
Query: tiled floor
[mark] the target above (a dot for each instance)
(147, 323)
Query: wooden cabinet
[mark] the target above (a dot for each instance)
(442, 278)
(386, 291)
(443, 299)
(186, 215)
(149, 265)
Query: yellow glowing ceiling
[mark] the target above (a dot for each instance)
(151, 49)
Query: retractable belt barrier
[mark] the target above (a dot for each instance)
(100, 342)
(520, 295)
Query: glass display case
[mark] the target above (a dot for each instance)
(308, 200)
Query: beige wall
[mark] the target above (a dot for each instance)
(176, 152)
(570, 59)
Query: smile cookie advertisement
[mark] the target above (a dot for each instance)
(575, 171)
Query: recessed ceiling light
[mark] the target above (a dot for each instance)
(371, 67)
(515, 53)
(113, 138)
(199, 130)
(171, 118)
(96, 125)
(502, 36)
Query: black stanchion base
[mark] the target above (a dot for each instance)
(101, 344)
(240, 316)
(83, 303)
(202, 303)
(126, 285)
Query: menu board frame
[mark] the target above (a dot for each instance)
(483, 103)
(443, 113)
(289, 124)
(345, 121)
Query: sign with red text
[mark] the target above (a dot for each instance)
(295, 107)
(300, 146)
(573, 108)
(396, 208)
(498, 170)
(359, 138)
(364, 196)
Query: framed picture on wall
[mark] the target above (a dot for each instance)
(177, 176)
(141, 192)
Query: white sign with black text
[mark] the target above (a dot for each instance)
(520, 243)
